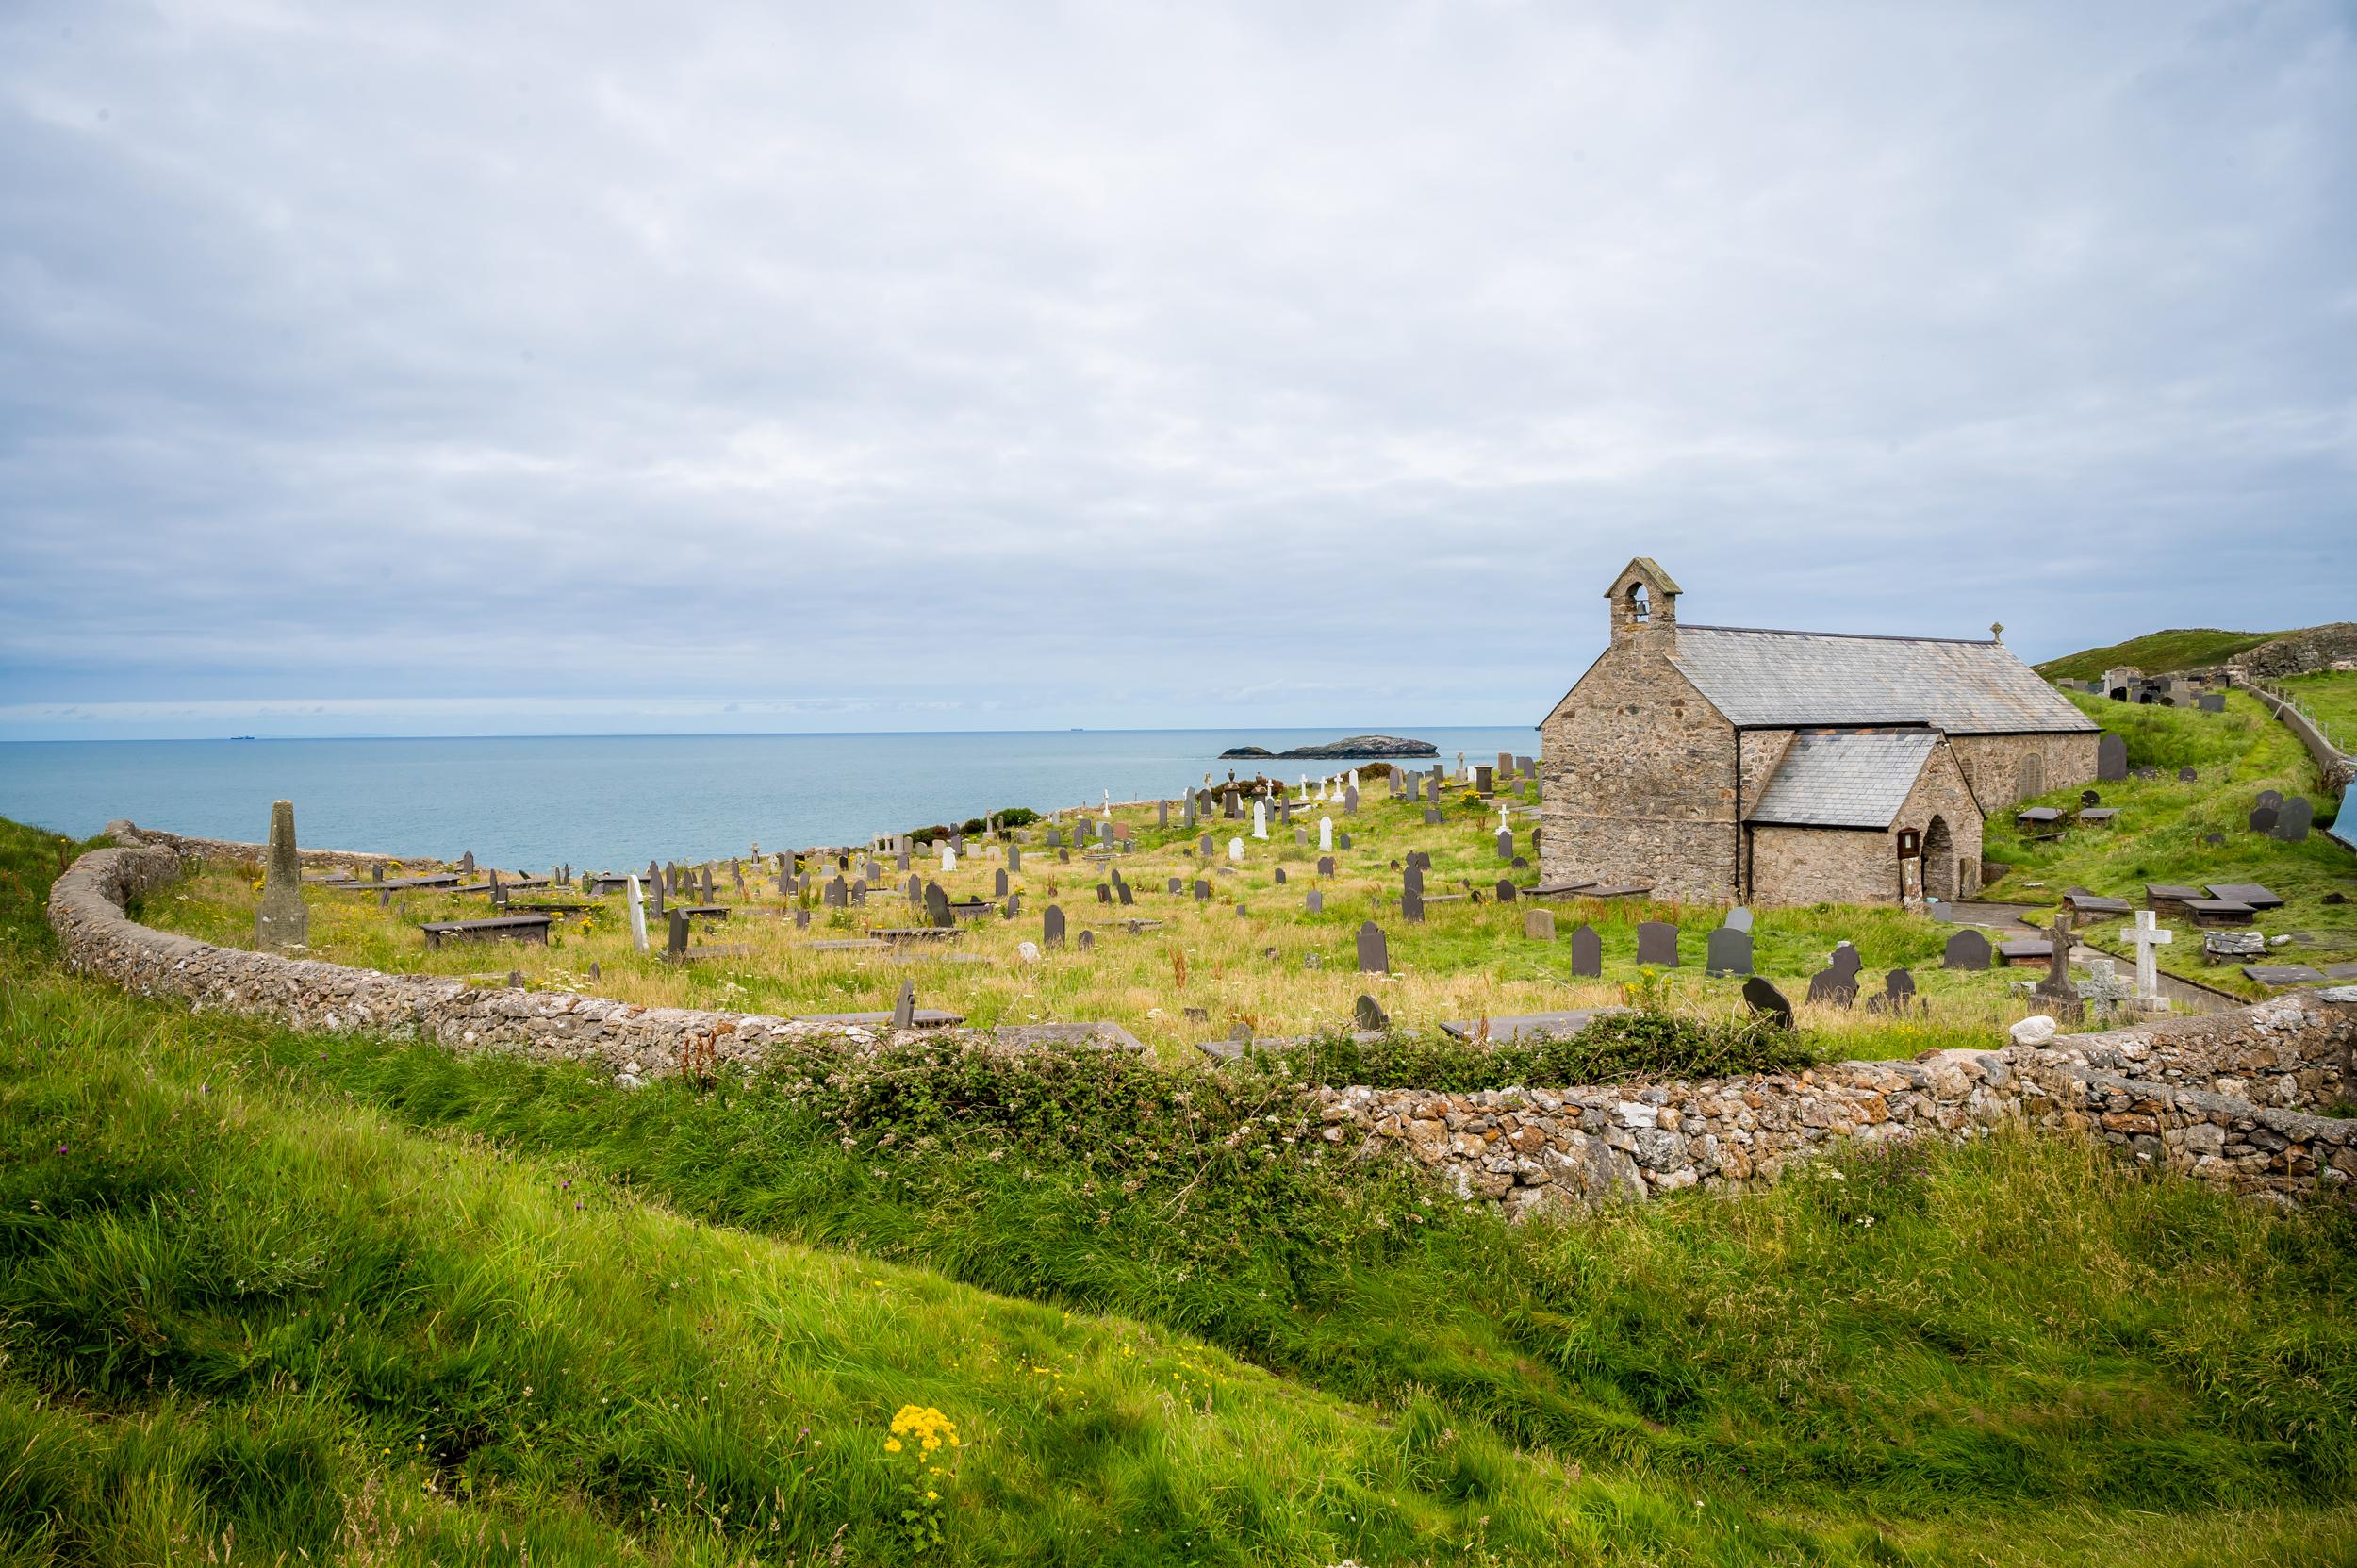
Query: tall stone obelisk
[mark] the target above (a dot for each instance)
(281, 923)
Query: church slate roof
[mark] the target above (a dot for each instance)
(1844, 779)
(1773, 679)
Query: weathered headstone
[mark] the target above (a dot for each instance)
(2263, 819)
(675, 935)
(1313, 903)
(1350, 801)
(1739, 919)
(1967, 949)
(1727, 951)
(1375, 953)
(1326, 865)
(2147, 935)
(1326, 833)
(2111, 758)
(2293, 819)
(1539, 925)
(1898, 990)
(281, 923)
(1367, 1015)
(2189, 775)
(1587, 952)
(1086, 942)
(1104, 893)
(1658, 944)
(1051, 927)
(1202, 891)
(937, 907)
(904, 1006)
(1767, 1001)
(1836, 987)
(636, 899)
(1015, 857)
(1504, 890)
(1505, 844)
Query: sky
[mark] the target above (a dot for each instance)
(441, 368)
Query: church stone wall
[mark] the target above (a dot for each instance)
(1824, 866)
(2066, 761)
(1637, 780)
(1941, 792)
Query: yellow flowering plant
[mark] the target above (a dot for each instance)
(931, 1441)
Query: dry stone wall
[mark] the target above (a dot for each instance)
(2228, 1099)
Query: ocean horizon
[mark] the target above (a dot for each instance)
(613, 800)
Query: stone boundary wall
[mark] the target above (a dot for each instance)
(2176, 1094)
(2155, 1092)
(2337, 766)
(226, 851)
(86, 909)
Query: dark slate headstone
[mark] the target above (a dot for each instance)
(1161, 813)
(1064, 857)
(1898, 990)
(937, 907)
(1326, 865)
(1375, 953)
(1202, 891)
(1014, 905)
(2089, 797)
(2213, 839)
(2111, 758)
(1587, 952)
(1087, 942)
(1420, 860)
(915, 888)
(1520, 864)
(1350, 802)
(1313, 903)
(1505, 891)
(1342, 841)
(2270, 798)
(1727, 951)
(1175, 884)
(2263, 819)
(1767, 1001)
(801, 919)
(1015, 857)
(1837, 987)
(2211, 702)
(1104, 893)
(1432, 817)
(1203, 847)
(1845, 961)
(675, 942)
(1368, 1016)
(1123, 891)
(1658, 944)
(1055, 838)
(2189, 775)
(1967, 949)
(838, 893)
(2292, 822)
(1051, 927)
(904, 1006)
(1281, 876)
(1505, 844)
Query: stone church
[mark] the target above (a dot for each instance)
(1723, 764)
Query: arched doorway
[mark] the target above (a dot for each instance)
(1939, 861)
(2031, 779)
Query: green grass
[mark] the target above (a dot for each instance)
(2161, 834)
(369, 1300)
(2330, 700)
(2157, 652)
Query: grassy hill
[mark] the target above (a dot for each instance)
(265, 1293)
(2157, 652)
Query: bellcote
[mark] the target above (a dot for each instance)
(1644, 603)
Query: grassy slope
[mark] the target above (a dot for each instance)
(303, 1260)
(2330, 700)
(2157, 652)
(2160, 835)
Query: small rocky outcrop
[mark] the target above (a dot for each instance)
(1349, 750)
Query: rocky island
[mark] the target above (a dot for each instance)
(1350, 749)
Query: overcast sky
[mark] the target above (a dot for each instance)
(441, 367)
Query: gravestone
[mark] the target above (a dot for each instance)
(1374, 954)
(1326, 833)
(2262, 819)
(1326, 865)
(1483, 783)
(1259, 818)
(1087, 942)
(1898, 990)
(465, 862)
(1342, 841)
(1432, 817)
(1051, 927)
(1281, 876)
(2053, 988)
(1055, 838)
(801, 919)
(1835, 987)
(937, 907)
(1015, 857)
(1727, 951)
(1368, 1016)
(838, 894)
(1966, 949)
(1202, 891)
(1313, 903)
(2147, 937)
(1767, 1001)
(281, 923)
(636, 899)
(915, 888)
(675, 940)
(2292, 821)
(1014, 905)
(1176, 885)
(1539, 925)
(2189, 775)
(1740, 919)
(1505, 844)
(1161, 813)
(1104, 893)
(1350, 801)
(1203, 847)
(1411, 904)
(2269, 797)
(2211, 702)
(1235, 852)
(1587, 952)
(2111, 758)
(1658, 944)
(2213, 839)
(1505, 891)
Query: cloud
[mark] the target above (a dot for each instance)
(1097, 365)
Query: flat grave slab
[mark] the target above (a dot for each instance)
(1104, 1031)
(915, 933)
(2083, 902)
(925, 1017)
(2038, 814)
(718, 950)
(2340, 971)
(1530, 1025)
(501, 928)
(707, 911)
(1560, 890)
(861, 944)
(395, 884)
(2245, 893)
(536, 907)
(1618, 890)
(2283, 974)
(2029, 949)
(2098, 815)
(510, 884)
(2219, 912)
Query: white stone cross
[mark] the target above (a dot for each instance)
(1321, 789)
(1259, 818)
(2147, 935)
(1503, 823)
(1325, 836)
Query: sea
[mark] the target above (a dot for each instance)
(609, 801)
